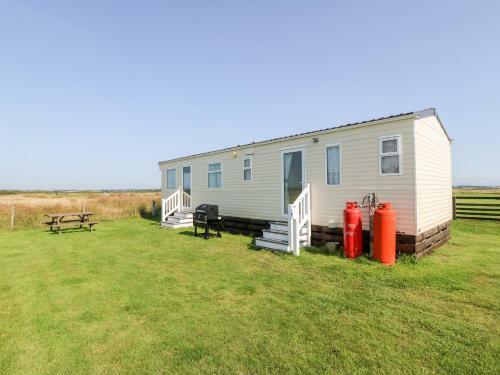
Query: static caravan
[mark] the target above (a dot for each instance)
(290, 192)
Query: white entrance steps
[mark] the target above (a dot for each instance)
(180, 219)
(276, 237)
(178, 202)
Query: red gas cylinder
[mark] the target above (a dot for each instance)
(353, 230)
(384, 234)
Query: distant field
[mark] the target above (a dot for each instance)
(31, 207)
(478, 192)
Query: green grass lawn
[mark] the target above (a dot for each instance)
(131, 297)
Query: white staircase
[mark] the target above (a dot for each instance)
(177, 204)
(276, 237)
(180, 219)
(290, 236)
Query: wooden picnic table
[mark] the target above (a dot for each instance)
(70, 219)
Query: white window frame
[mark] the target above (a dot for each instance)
(175, 178)
(248, 168)
(399, 153)
(302, 149)
(339, 145)
(221, 174)
(190, 176)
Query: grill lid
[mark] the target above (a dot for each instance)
(211, 211)
(206, 207)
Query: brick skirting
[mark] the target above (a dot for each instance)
(420, 245)
(241, 225)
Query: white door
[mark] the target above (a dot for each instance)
(292, 162)
(186, 182)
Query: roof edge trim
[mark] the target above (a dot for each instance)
(416, 114)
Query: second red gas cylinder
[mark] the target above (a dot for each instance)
(384, 234)
(353, 230)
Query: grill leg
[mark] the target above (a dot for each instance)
(195, 230)
(206, 231)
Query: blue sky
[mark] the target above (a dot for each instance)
(94, 93)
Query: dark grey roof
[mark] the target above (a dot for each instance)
(429, 111)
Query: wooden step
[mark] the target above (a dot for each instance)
(170, 225)
(273, 244)
(178, 220)
(272, 234)
(183, 215)
(279, 225)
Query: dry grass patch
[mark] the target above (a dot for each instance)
(32, 207)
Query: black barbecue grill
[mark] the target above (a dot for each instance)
(207, 215)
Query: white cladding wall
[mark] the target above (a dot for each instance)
(261, 198)
(433, 174)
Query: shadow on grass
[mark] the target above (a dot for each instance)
(200, 234)
(251, 246)
(155, 220)
(71, 230)
(364, 258)
(324, 250)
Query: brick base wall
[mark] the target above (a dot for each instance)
(420, 245)
(428, 241)
(241, 225)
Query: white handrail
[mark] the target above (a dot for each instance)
(175, 202)
(299, 215)
(186, 200)
(170, 205)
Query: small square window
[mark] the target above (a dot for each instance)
(390, 156)
(391, 145)
(390, 164)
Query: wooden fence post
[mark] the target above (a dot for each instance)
(153, 209)
(13, 217)
(454, 202)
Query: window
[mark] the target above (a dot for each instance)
(215, 175)
(390, 156)
(247, 169)
(171, 179)
(333, 165)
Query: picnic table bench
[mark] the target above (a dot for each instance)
(70, 219)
